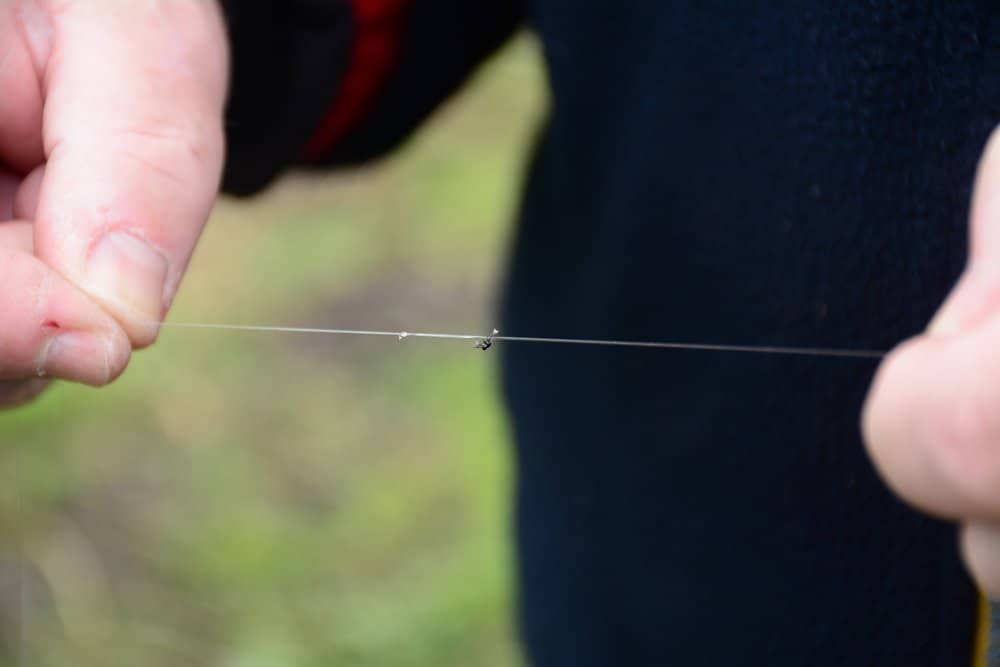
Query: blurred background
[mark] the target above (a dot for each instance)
(250, 499)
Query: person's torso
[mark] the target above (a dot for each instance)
(740, 173)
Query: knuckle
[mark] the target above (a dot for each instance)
(187, 140)
(178, 150)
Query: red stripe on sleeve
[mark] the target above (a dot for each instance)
(379, 30)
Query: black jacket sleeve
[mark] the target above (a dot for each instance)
(334, 82)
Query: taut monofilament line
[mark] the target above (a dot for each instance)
(485, 342)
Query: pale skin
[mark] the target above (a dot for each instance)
(111, 147)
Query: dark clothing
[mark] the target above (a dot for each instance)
(751, 173)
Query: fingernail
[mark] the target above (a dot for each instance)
(81, 357)
(128, 276)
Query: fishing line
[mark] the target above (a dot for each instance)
(485, 342)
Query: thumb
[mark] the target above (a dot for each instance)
(134, 95)
(931, 419)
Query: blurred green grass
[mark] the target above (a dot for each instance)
(247, 499)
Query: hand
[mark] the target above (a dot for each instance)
(932, 418)
(111, 147)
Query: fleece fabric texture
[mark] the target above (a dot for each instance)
(760, 173)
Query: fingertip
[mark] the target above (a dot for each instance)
(881, 426)
(128, 276)
(50, 327)
(119, 353)
(931, 426)
(142, 333)
(92, 356)
(922, 427)
(884, 424)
